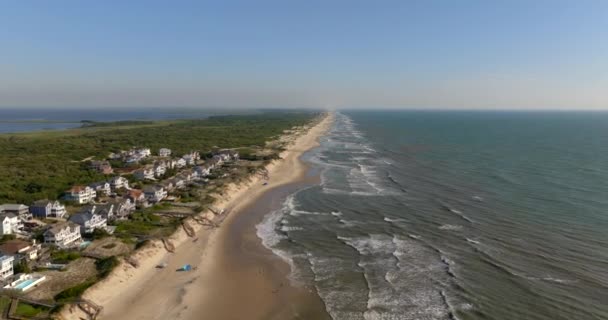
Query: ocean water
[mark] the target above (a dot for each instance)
(453, 215)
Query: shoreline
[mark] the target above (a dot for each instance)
(146, 292)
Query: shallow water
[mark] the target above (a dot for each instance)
(453, 215)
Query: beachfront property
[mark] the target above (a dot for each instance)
(101, 166)
(144, 152)
(178, 182)
(134, 155)
(227, 155)
(155, 193)
(144, 174)
(63, 234)
(89, 220)
(23, 282)
(180, 163)
(43, 209)
(20, 249)
(10, 223)
(81, 194)
(122, 207)
(119, 182)
(159, 168)
(168, 185)
(203, 170)
(136, 196)
(164, 152)
(106, 210)
(20, 210)
(6, 266)
(191, 158)
(102, 187)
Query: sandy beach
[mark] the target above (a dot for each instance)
(235, 276)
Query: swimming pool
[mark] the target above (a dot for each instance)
(25, 283)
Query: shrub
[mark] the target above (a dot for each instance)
(64, 256)
(75, 291)
(106, 265)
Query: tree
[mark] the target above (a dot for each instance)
(22, 267)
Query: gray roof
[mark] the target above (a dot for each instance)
(42, 203)
(82, 217)
(60, 226)
(7, 214)
(12, 206)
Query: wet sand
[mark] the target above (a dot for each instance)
(248, 280)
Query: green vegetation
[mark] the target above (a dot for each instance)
(144, 225)
(22, 267)
(28, 310)
(41, 165)
(7, 237)
(4, 304)
(99, 234)
(75, 291)
(64, 256)
(106, 265)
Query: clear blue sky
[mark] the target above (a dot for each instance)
(330, 53)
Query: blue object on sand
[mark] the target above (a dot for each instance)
(186, 267)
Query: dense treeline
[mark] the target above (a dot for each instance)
(44, 164)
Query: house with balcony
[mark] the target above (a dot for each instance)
(10, 223)
(144, 174)
(81, 194)
(180, 163)
(144, 152)
(103, 167)
(20, 210)
(119, 182)
(164, 152)
(122, 207)
(155, 193)
(136, 196)
(203, 170)
(63, 234)
(89, 221)
(6, 266)
(20, 249)
(102, 187)
(43, 209)
(159, 169)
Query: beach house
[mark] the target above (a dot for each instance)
(81, 194)
(180, 163)
(159, 168)
(122, 207)
(6, 266)
(144, 174)
(20, 210)
(203, 170)
(20, 249)
(89, 220)
(43, 209)
(164, 152)
(136, 196)
(102, 187)
(119, 182)
(10, 223)
(101, 166)
(144, 152)
(63, 234)
(155, 193)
